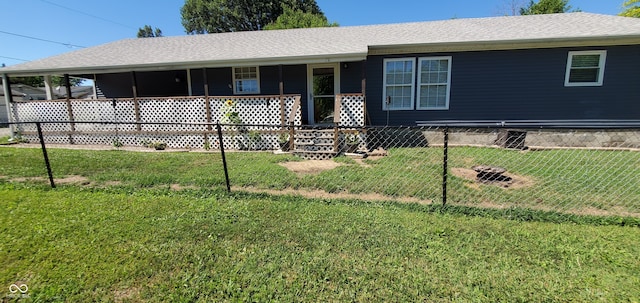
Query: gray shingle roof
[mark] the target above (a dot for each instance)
(337, 43)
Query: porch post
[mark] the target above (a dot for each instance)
(189, 89)
(95, 87)
(67, 84)
(136, 105)
(47, 87)
(281, 88)
(207, 104)
(8, 99)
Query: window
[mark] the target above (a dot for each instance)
(585, 68)
(246, 80)
(434, 80)
(399, 82)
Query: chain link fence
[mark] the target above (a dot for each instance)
(570, 170)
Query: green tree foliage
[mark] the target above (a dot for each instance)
(546, 7)
(296, 18)
(39, 81)
(148, 32)
(217, 16)
(631, 8)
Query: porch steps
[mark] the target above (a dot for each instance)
(314, 144)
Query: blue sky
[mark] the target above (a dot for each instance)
(68, 24)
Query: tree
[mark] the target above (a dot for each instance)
(148, 32)
(510, 7)
(296, 18)
(39, 81)
(546, 7)
(631, 8)
(217, 16)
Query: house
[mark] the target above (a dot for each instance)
(4, 114)
(556, 67)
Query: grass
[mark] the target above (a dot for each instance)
(576, 181)
(78, 244)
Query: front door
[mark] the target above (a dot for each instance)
(324, 85)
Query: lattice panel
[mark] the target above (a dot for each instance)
(179, 110)
(93, 111)
(119, 122)
(251, 110)
(260, 138)
(352, 110)
(289, 102)
(173, 141)
(43, 112)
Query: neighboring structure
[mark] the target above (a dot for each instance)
(4, 118)
(573, 66)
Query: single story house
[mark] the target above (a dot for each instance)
(555, 67)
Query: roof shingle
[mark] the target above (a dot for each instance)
(294, 45)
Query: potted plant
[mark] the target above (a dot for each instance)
(283, 141)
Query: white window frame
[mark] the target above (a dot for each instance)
(384, 83)
(601, 66)
(420, 84)
(235, 86)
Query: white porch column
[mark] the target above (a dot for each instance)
(48, 88)
(7, 99)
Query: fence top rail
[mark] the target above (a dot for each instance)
(175, 98)
(534, 124)
(635, 126)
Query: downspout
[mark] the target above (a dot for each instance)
(8, 99)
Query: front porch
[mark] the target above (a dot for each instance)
(249, 122)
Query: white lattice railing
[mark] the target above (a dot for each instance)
(350, 109)
(130, 116)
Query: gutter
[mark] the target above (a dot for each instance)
(294, 60)
(488, 45)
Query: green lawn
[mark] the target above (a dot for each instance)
(578, 181)
(80, 244)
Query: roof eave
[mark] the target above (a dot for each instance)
(503, 45)
(292, 60)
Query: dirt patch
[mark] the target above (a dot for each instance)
(178, 187)
(126, 294)
(314, 194)
(73, 179)
(310, 166)
(516, 182)
(361, 162)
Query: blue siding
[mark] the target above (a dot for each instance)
(520, 84)
(115, 85)
(149, 84)
(351, 77)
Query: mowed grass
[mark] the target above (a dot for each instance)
(576, 181)
(78, 244)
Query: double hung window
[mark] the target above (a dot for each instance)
(246, 80)
(585, 68)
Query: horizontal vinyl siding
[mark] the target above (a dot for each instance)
(351, 77)
(521, 84)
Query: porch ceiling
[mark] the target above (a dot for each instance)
(313, 45)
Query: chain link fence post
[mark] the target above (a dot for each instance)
(445, 162)
(224, 158)
(44, 153)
